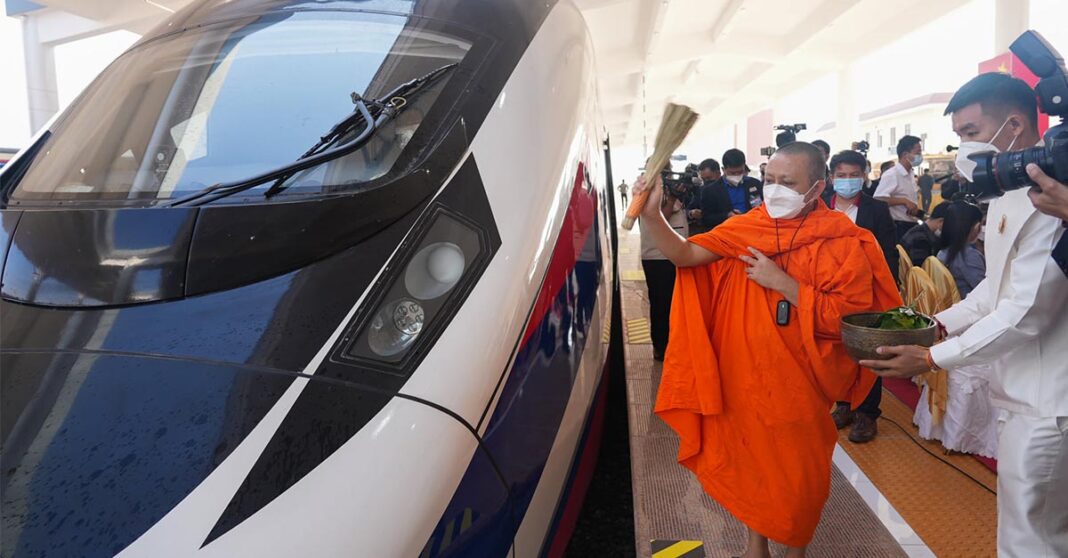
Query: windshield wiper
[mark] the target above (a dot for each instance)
(347, 136)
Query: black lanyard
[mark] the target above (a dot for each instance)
(782, 309)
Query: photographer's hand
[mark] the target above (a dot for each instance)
(1050, 197)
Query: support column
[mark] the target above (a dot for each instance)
(1010, 20)
(846, 124)
(42, 93)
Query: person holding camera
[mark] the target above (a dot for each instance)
(659, 271)
(897, 186)
(1014, 320)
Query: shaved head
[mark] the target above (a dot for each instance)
(815, 164)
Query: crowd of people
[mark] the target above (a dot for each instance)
(748, 279)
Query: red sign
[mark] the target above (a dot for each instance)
(1008, 63)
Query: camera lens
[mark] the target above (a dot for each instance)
(997, 173)
(1010, 169)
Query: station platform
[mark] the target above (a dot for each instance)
(896, 496)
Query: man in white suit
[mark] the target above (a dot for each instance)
(1017, 320)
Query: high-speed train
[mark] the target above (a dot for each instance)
(312, 278)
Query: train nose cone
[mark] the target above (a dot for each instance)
(98, 448)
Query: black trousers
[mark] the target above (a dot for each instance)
(870, 405)
(660, 279)
(925, 197)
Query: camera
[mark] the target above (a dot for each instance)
(788, 133)
(861, 146)
(997, 173)
(681, 185)
(767, 151)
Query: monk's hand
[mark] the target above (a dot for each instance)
(908, 361)
(765, 272)
(656, 196)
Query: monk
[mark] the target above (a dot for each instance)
(755, 361)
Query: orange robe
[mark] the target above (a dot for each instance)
(749, 399)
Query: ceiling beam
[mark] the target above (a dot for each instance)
(652, 14)
(725, 19)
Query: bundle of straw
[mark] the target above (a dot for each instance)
(677, 122)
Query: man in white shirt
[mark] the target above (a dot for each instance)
(847, 175)
(897, 187)
(1016, 321)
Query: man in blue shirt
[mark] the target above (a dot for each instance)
(734, 194)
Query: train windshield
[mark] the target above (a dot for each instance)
(231, 100)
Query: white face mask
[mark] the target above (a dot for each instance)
(967, 166)
(783, 202)
(734, 178)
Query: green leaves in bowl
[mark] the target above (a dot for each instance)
(902, 318)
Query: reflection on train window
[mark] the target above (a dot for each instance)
(235, 99)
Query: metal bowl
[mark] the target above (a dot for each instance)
(861, 338)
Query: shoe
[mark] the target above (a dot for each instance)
(842, 415)
(864, 429)
(658, 355)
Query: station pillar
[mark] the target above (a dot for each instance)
(42, 92)
(847, 120)
(1010, 20)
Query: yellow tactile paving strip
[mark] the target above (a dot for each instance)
(638, 331)
(953, 515)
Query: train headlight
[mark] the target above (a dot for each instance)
(395, 327)
(434, 270)
(419, 293)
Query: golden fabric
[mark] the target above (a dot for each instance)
(920, 291)
(945, 285)
(947, 295)
(904, 266)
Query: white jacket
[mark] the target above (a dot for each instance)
(1017, 318)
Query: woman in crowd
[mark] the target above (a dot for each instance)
(970, 421)
(959, 233)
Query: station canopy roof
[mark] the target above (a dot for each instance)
(724, 58)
